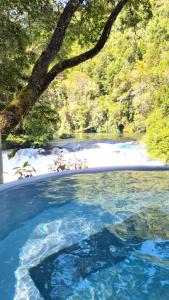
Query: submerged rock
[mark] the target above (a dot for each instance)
(151, 223)
(57, 274)
(142, 234)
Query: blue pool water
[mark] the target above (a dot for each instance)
(98, 236)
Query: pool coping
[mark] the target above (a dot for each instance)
(56, 175)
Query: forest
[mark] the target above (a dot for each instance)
(125, 87)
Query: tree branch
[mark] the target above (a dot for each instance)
(74, 61)
(41, 66)
(19, 107)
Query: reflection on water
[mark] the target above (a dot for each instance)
(142, 237)
(99, 236)
(83, 137)
(56, 276)
(151, 223)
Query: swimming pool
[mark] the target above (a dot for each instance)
(101, 236)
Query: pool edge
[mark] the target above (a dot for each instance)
(56, 175)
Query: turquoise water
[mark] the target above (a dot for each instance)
(97, 236)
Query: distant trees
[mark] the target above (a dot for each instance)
(157, 135)
(126, 84)
(87, 23)
(130, 79)
(43, 73)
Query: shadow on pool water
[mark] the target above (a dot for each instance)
(144, 237)
(98, 236)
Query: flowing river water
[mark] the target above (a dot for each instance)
(92, 152)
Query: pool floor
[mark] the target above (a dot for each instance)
(98, 236)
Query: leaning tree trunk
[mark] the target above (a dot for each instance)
(41, 77)
(1, 162)
(16, 111)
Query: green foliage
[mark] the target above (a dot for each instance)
(25, 171)
(76, 94)
(127, 83)
(136, 12)
(37, 130)
(157, 136)
(91, 20)
(40, 142)
(162, 100)
(17, 142)
(13, 58)
(41, 124)
(66, 135)
(25, 27)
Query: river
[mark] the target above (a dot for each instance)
(92, 150)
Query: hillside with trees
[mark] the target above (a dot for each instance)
(125, 86)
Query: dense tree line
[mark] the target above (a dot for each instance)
(125, 84)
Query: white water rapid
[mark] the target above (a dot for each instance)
(102, 153)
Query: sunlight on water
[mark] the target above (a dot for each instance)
(97, 236)
(95, 153)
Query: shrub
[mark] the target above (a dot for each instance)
(157, 136)
(66, 135)
(25, 171)
(14, 141)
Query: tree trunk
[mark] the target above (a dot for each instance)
(1, 162)
(16, 111)
(40, 78)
